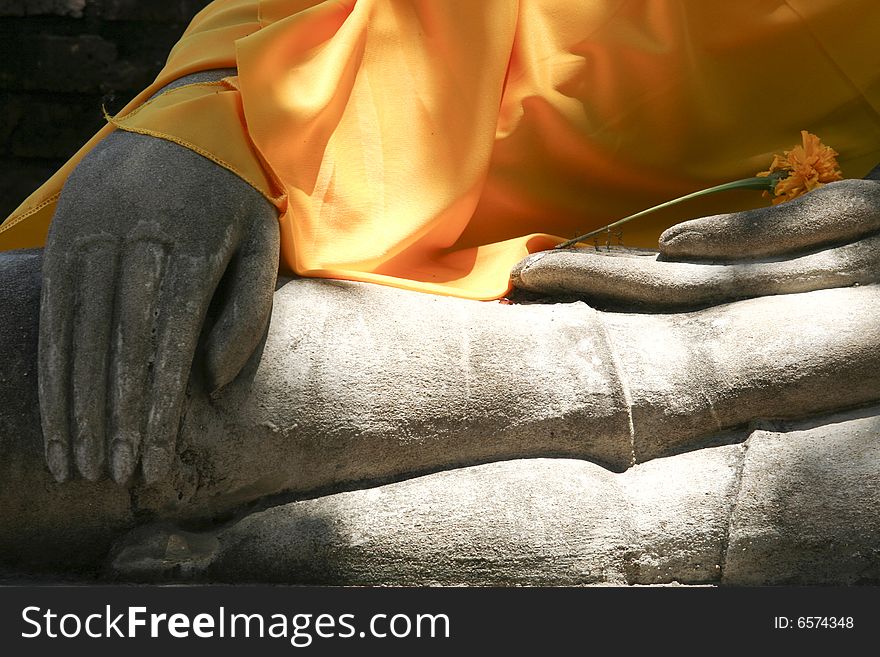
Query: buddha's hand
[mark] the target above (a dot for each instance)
(827, 238)
(152, 246)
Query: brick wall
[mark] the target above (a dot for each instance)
(59, 61)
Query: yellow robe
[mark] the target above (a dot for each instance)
(431, 144)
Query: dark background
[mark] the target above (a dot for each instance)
(60, 60)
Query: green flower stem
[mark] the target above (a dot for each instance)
(766, 183)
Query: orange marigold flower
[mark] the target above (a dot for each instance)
(804, 168)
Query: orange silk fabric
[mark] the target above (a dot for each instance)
(432, 144)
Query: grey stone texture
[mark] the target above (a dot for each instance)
(41, 523)
(644, 282)
(379, 437)
(525, 522)
(827, 239)
(128, 281)
(368, 435)
(695, 373)
(842, 211)
(811, 492)
(797, 506)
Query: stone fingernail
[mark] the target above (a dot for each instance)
(89, 459)
(122, 462)
(56, 457)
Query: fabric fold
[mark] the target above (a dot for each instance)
(432, 145)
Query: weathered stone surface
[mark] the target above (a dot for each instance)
(829, 238)
(679, 508)
(371, 384)
(41, 523)
(694, 374)
(358, 386)
(372, 389)
(799, 506)
(527, 522)
(808, 511)
(837, 212)
(639, 281)
(168, 262)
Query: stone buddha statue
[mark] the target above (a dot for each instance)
(171, 409)
(631, 417)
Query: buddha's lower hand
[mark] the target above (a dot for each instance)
(827, 238)
(153, 250)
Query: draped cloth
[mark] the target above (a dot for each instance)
(432, 144)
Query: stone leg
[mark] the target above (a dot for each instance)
(373, 383)
(358, 385)
(799, 505)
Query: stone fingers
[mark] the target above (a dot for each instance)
(120, 321)
(838, 212)
(133, 345)
(246, 292)
(183, 306)
(93, 318)
(56, 324)
(615, 279)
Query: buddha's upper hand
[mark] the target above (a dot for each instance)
(827, 238)
(153, 251)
